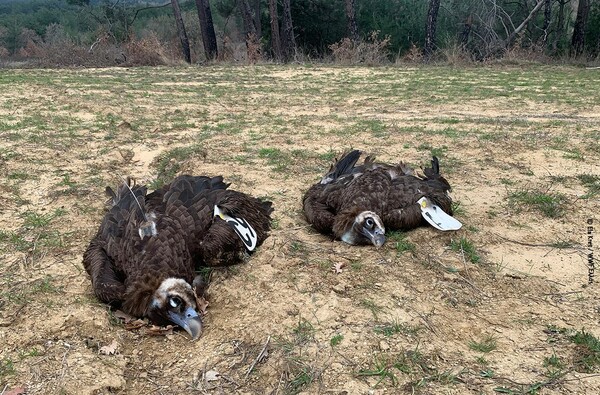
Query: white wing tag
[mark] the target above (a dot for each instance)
(241, 227)
(437, 217)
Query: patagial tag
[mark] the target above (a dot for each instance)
(436, 216)
(241, 227)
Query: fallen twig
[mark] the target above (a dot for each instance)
(258, 358)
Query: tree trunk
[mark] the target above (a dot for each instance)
(207, 29)
(257, 24)
(252, 39)
(432, 14)
(185, 43)
(577, 43)
(248, 18)
(560, 25)
(514, 34)
(275, 41)
(466, 32)
(288, 40)
(351, 20)
(547, 19)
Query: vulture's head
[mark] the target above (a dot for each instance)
(367, 228)
(174, 302)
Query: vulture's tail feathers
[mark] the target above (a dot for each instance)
(112, 196)
(434, 176)
(342, 166)
(217, 183)
(267, 206)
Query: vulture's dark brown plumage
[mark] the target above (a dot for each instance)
(144, 256)
(357, 203)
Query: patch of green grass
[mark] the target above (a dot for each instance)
(398, 240)
(33, 352)
(328, 156)
(506, 181)
(554, 367)
(381, 368)
(561, 244)
(439, 152)
(394, 327)
(299, 376)
(304, 331)
(574, 154)
(465, 247)
(373, 126)
(33, 220)
(549, 204)
(374, 308)
(445, 378)
(591, 182)
(587, 357)
(457, 208)
(21, 176)
(297, 247)
(45, 285)
(14, 241)
(335, 340)
(276, 158)
(7, 368)
(485, 345)
(523, 389)
(169, 163)
(356, 265)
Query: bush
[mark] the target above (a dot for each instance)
(57, 49)
(371, 52)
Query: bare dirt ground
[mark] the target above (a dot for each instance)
(502, 314)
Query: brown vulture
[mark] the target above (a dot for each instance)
(144, 256)
(357, 203)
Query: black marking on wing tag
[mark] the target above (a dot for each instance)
(244, 231)
(438, 223)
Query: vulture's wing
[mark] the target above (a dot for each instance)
(402, 209)
(107, 255)
(221, 244)
(321, 201)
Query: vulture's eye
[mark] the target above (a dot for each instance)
(369, 223)
(175, 301)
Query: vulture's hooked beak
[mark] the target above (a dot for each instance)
(189, 320)
(377, 236)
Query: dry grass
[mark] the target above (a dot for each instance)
(429, 312)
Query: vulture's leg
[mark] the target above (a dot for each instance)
(107, 283)
(404, 218)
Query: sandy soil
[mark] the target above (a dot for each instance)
(285, 322)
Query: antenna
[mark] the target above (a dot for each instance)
(126, 182)
(148, 226)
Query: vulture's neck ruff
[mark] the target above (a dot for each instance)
(175, 301)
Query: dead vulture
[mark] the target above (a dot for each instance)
(144, 256)
(358, 202)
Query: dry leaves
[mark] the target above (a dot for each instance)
(202, 305)
(211, 375)
(131, 324)
(111, 349)
(337, 267)
(159, 330)
(16, 391)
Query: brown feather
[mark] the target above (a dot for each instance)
(390, 191)
(127, 269)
